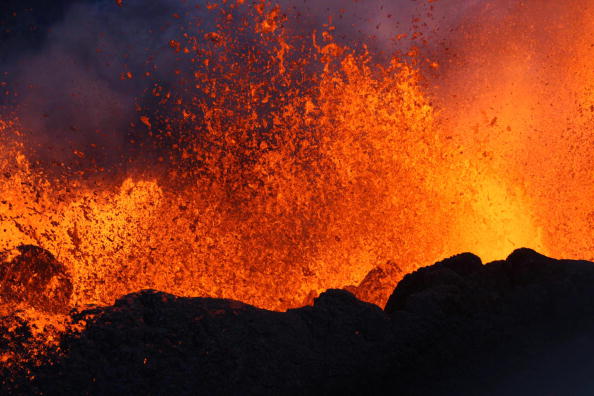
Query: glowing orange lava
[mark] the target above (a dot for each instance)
(297, 164)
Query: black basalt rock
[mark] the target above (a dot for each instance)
(520, 326)
(444, 274)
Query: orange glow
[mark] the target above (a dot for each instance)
(301, 165)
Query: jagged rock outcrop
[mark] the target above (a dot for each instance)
(32, 275)
(156, 343)
(520, 326)
(508, 327)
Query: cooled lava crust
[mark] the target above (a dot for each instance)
(519, 326)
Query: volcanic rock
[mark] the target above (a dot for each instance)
(522, 326)
(32, 275)
(155, 343)
(442, 275)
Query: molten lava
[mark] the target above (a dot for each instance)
(287, 164)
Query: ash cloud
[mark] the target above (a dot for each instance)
(74, 77)
(77, 68)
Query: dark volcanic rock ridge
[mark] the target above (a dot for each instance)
(519, 326)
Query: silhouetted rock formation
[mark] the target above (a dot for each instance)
(509, 327)
(519, 326)
(430, 279)
(32, 275)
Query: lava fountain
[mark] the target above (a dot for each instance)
(277, 160)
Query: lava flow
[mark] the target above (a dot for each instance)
(277, 163)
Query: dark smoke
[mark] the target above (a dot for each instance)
(76, 70)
